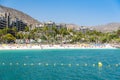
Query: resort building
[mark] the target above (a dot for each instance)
(7, 22)
(59, 26)
(84, 29)
(3, 23)
(51, 24)
(19, 24)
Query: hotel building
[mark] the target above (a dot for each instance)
(7, 22)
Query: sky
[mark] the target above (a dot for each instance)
(80, 12)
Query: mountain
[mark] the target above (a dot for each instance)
(108, 27)
(22, 16)
(73, 26)
(29, 20)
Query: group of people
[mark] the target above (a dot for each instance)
(64, 46)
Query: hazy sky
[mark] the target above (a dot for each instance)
(80, 12)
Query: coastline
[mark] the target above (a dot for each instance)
(50, 47)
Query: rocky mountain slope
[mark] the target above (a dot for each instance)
(15, 13)
(108, 27)
(29, 20)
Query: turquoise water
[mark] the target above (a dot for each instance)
(59, 65)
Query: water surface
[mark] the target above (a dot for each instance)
(59, 65)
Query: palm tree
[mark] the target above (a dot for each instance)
(1, 35)
(27, 29)
(14, 31)
(118, 33)
(9, 38)
(5, 31)
(20, 36)
(62, 33)
(69, 34)
(46, 34)
(54, 33)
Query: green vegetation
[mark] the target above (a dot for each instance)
(53, 35)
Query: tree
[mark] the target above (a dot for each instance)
(9, 38)
(5, 30)
(27, 29)
(62, 32)
(46, 34)
(118, 33)
(1, 35)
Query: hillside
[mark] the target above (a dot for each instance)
(15, 13)
(29, 20)
(108, 27)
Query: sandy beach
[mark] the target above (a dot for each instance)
(65, 46)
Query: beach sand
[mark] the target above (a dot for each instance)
(65, 46)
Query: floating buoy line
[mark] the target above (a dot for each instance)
(99, 64)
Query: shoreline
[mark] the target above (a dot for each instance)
(66, 49)
(53, 47)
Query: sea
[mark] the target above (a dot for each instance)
(60, 64)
